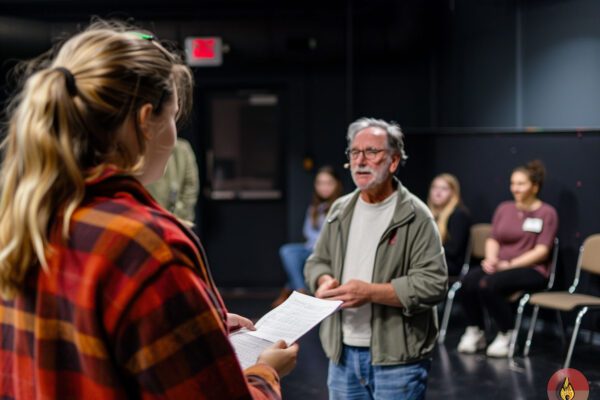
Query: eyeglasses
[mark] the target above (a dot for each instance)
(369, 153)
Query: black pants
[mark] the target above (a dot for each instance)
(492, 292)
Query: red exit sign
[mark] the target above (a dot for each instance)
(204, 51)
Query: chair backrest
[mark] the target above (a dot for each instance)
(553, 263)
(479, 234)
(476, 245)
(590, 256)
(588, 260)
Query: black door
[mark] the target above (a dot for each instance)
(243, 214)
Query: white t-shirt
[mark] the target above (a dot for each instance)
(369, 222)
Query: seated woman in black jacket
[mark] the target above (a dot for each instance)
(452, 219)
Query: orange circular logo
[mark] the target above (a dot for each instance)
(568, 384)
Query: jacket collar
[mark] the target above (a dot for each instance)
(110, 179)
(404, 211)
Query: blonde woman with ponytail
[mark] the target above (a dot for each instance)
(103, 293)
(452, 219)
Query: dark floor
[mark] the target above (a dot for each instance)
(453, 375)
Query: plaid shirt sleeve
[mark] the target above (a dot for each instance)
(173, 344)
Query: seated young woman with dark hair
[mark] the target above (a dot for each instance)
(517, 257)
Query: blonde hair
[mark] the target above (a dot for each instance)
(442, 214)
(63, 128)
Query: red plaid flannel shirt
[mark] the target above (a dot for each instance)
(127, 310)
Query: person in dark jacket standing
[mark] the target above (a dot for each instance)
(381, 254)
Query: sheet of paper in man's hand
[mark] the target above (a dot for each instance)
(289, 322)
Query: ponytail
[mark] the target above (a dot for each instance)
(40, 175)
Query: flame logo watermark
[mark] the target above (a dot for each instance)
(568, 384)
(567, 392)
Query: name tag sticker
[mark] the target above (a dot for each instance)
(534, 225)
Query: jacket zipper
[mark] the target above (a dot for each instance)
(383, 238)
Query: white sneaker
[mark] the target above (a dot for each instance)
(500, 346)
(472, 340)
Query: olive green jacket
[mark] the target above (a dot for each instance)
(177, 190)
(410, 257)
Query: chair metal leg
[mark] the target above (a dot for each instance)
(515, 334)
(574, 336)
(447, 310)
(531, 331)
(561, 326)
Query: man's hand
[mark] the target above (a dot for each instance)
(326, 282)
(354, 293)
(235, 322)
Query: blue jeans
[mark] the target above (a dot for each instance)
(293, 257)
(356, 379)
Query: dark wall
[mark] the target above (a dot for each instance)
(519, 64)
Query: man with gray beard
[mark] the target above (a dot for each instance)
(380, 253)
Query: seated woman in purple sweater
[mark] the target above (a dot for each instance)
(328, 187)
(517, 257)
